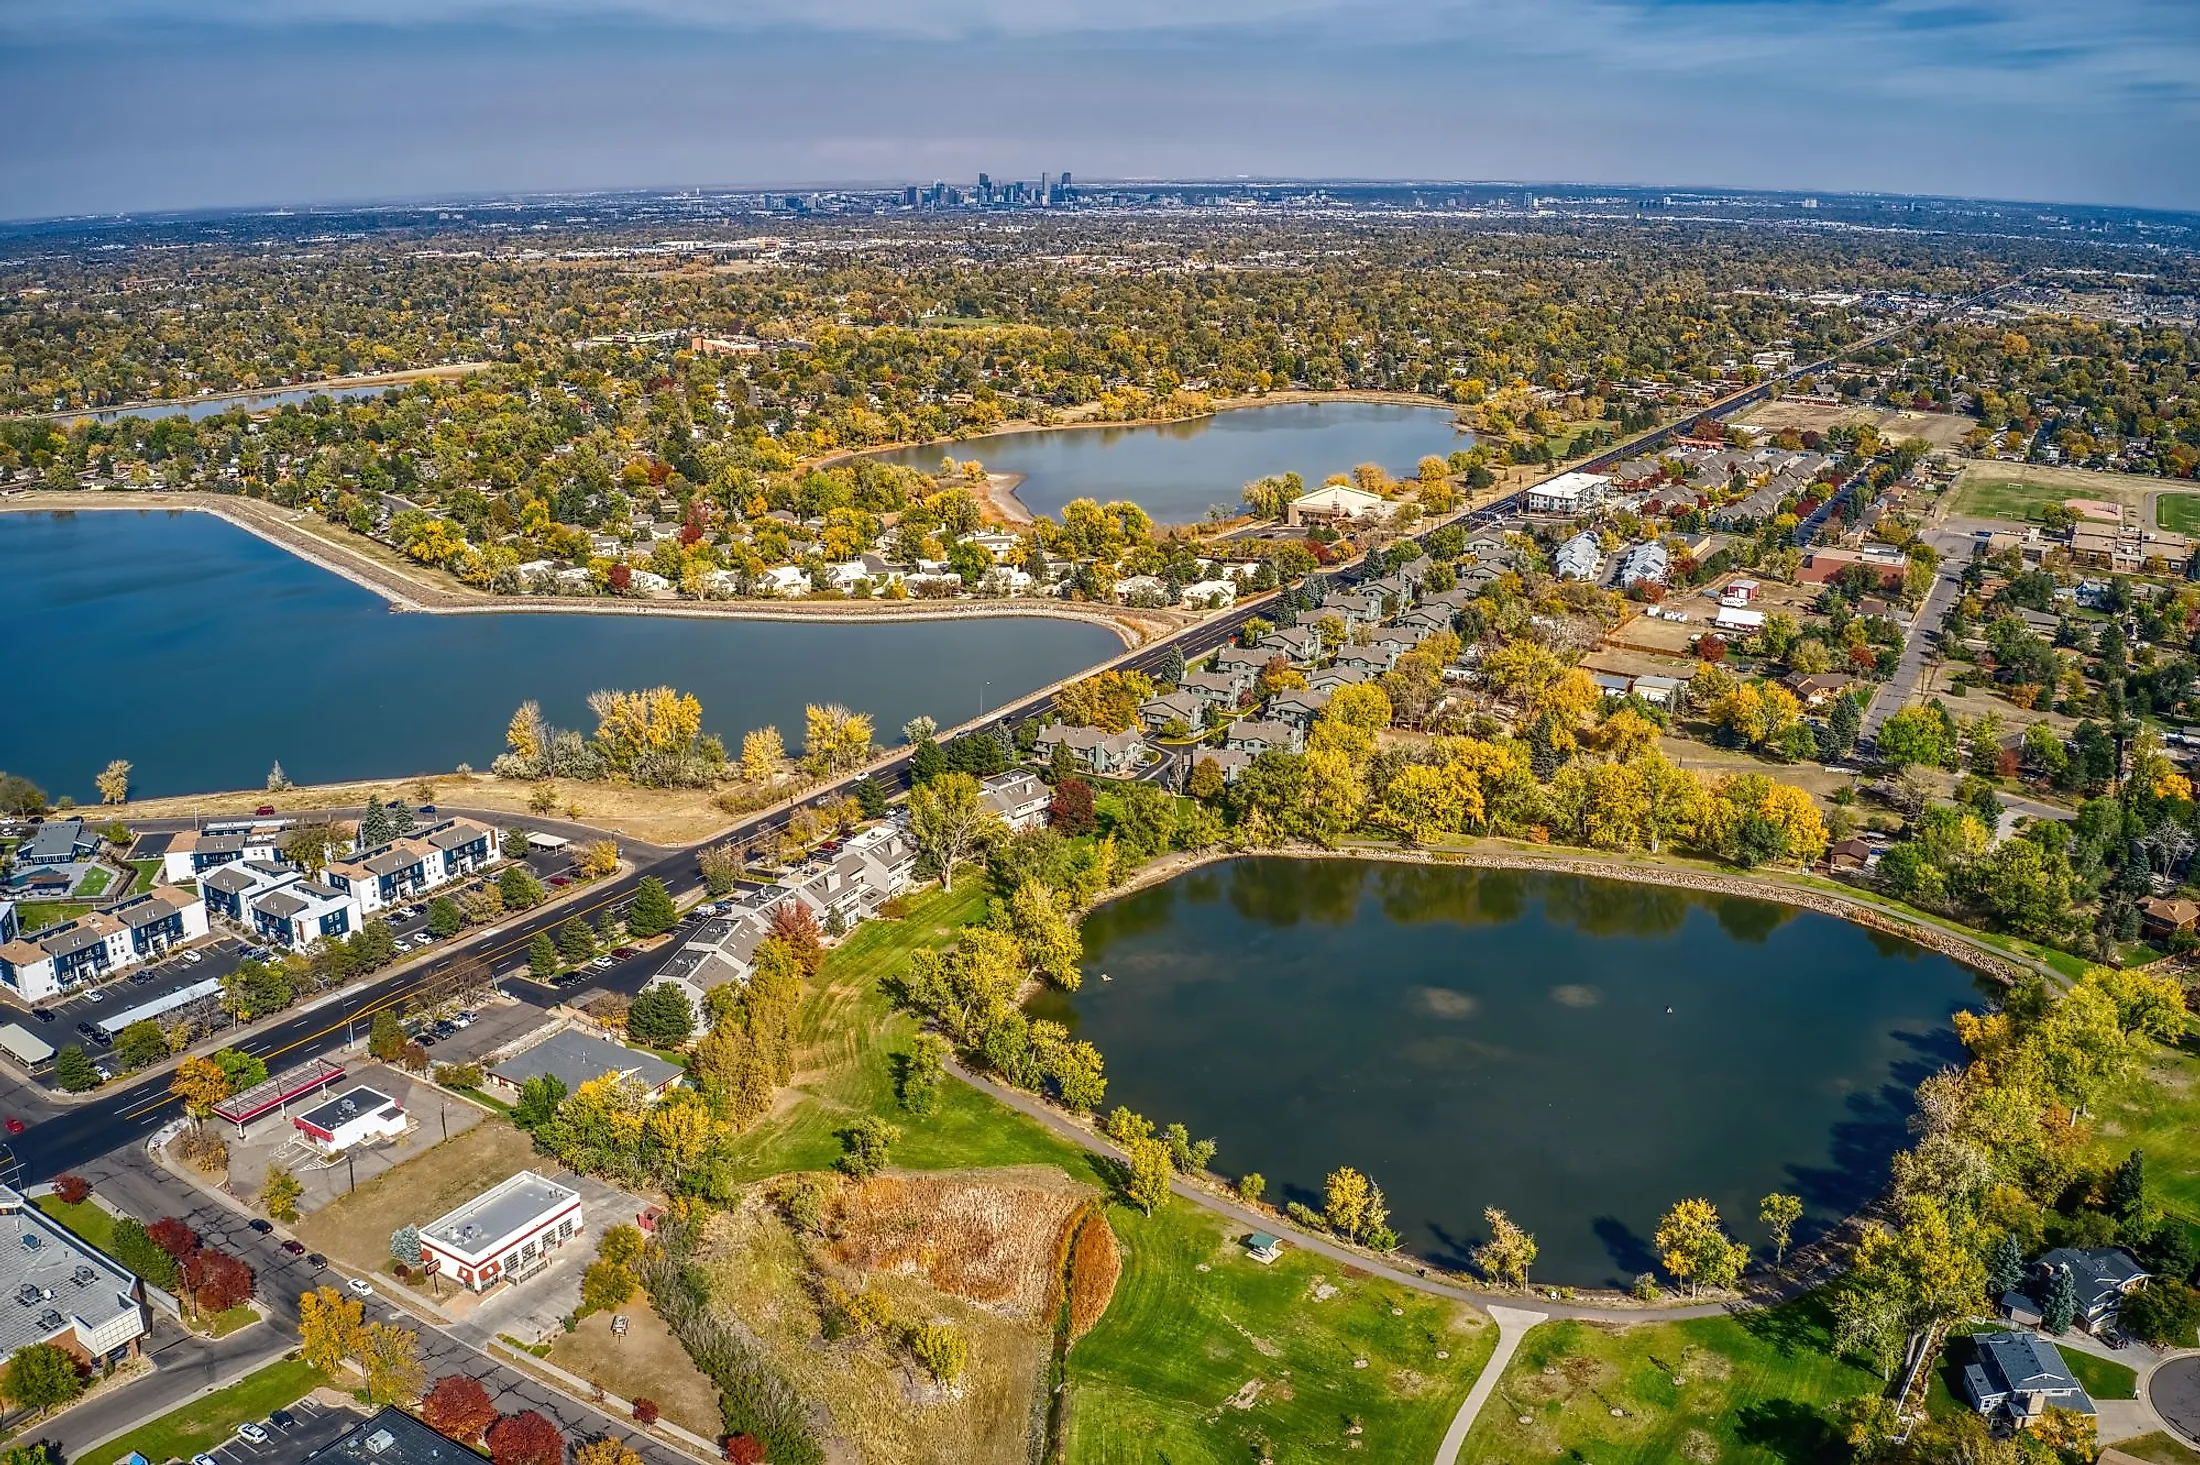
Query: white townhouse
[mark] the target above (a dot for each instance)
(302, 912)
(394, 873)
(1019, 797)
(193, 853)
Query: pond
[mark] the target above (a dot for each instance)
(1176, 471)
(203, 654)
(196, 408)
(1579, 1053)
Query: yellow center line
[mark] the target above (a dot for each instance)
(386, 1000)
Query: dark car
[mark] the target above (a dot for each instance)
(315, 1260)
(87, 1029)
(281, 1418)
(427, 808)
(295, 1248)
(263, 1227)
(623, 952)
(104, 1038)
(42, 1014)
(559, 880)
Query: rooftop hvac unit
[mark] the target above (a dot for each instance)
(85, 1276)
(27, 1294)
(32, 1241)
(379, 1441)
(49, 1319)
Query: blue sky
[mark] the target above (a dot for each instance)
(146, 104)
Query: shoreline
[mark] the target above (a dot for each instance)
(1858, 909)
(246, 394)
(402, 593)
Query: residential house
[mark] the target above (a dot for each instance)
(1850, 855)
(1217, 688)
(2018, 1377)
(301, 912)
(1817, 689)
(1659, 691)
(1429, 619)
(1343, 674)
(1208, 595)
(1110, 755)
(2104, 1276)
(229, 890)
(1374, 660)
(1146, 590)
(786, 581)
(194, 852)
(87, 950)
(1647, 562)
(394, 873)
(1300, 706)
(1188, 708)
(1299, 645)
(1245, 661)
(1260, 735)
(1230, 762)
(2164, 918)
(1021, 797)
(1395, 590)
(1579, 558)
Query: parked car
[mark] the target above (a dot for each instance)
(358, 1287)
(253, 1434)
(43, 1014)
(86, 1029)
(263, 1227)
(15, 1125)
(264, 809)
(104, 1038)
(295, 1248)
(623, 952)
(95, 995)
(559, 880)
(281, 1418)
(603, 963)
(315, 1260)
(106, 1074)
(193, 957)
(427, 808)
(204, 1460)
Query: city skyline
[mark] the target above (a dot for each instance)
(153, 104)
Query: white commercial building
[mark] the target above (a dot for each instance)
(64, 1292)
(1569, 493)
(355, 1117)
(504, 1233)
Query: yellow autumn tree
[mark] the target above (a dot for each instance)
(762, 752)
(835, 738)
(655, 720)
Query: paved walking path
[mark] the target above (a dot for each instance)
(1512, 1325)
(1417, 1278)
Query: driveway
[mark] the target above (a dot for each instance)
(1918, 643)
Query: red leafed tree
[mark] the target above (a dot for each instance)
(1071, 810)
(526, 1438)
(217, 1280)
(619, 578)
(458, 1408)
(173, 1237)
(796, 924)
(71, 1189)
(744, 1449)
(645, 1411)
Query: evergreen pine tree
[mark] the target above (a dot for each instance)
(870, 797)
(576, 941)
(375, 828)
(1172, 666)
(653, 913)
(2004, 1265)
(401, 818)
(542, 957)
(2127, 1188)
(276, 778)
(926, 761)
(2059, 1309)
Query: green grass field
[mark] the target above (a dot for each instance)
(1243, 1361)
(86, 1220)
(204, 1423)
(2158, 1112)
(2179, 512)
(37, 915)
(1983, 495)
(148, 875)
(2159, 1449)
(94, 883)
(851, 1033)
(1752, 1389)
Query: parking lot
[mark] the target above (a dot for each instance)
(59, 1023)
(303, 1428)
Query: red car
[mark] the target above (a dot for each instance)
(264, 809)
(559, 880)
(15, 1125)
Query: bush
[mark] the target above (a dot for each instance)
(2164, 1312)
(645, 1411)
(942, 1349)
(72, 1189)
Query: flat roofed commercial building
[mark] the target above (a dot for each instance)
(503, 1233)
(355, 1117)
(55, 1289)
(392, 1437)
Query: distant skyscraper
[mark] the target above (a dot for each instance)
(1065, 180)
(909, 195)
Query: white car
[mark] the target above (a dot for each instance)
(252, 1434)
(358, 1287)
(95, 995)
(193, 957)
(204, 1460)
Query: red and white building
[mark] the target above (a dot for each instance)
(504, 1233)
(355, 1117)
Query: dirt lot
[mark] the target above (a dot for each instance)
(356, 1228)
(991, 1236)
(648, 1363)
(1941, 429)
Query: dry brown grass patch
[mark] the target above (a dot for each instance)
(1095, 1263)
(992, 1241)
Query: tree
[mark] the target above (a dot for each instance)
(405, 1245)
(526, 1438)
(949, 823)
(575, 941)
(1070, 812)
(141, 1043)
(2127, 1188)
(1147, 1174)
(864, 1146)
(606, 1285)
(73, 1071)
(329, 1326)
(386, 1037)
(71, 1190)
(1507, 1255)
(835, 738)
(653, 912)
(520, 889)
(942, 1349)
(113, 782)
(215, 1280)
(661, 1017)
(542, 957)
(1780, 1213)
(2059, 1308)
(2004, 1265)
(763, 752)
(1347, 1193)
(1695, 1250)
(280, 1193)
(2165, 1312)
(721, 867)
(458, 1408)
(201, 1084)
(596, 859)
(1916, 735)
(606, 1451)
(870, 797)
(444, 917)
(40, 1376)
(921, 1071)
(539, 1098)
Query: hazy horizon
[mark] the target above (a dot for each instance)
(189, 105)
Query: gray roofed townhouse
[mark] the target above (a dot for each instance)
(1020, 797)
(1185, 707)
(1217, 687)
(2020, 1376)
(1377, 658)
(1300, 645)
(1256, 735)
(1344, 674)
(1105, 753)
(1300, 705)
(1230, 762)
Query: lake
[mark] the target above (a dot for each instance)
(196, 408)
(203, 654)
(1176, 471)
(1580, 1053)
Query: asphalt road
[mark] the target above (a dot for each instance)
(75, 1135)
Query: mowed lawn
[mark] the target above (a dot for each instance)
(1747, 1389)
(851, 1035)
(2158, 1113)
(2179, 512)
(1239, 1361)
(85, 1218)
(204, 1423)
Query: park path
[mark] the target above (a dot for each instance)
(1513, 1324)
(1417, 1278)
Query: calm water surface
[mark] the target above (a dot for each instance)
(1477, 1039)
(203, 654)
(1175, 471)
(199, 407)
